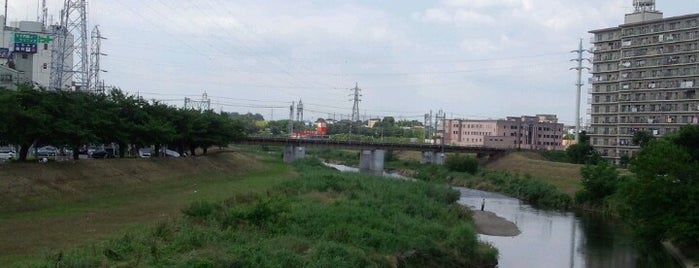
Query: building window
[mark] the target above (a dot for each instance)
(25, 56)
(46, 46)
(5, 78)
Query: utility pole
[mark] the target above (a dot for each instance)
(579, 85)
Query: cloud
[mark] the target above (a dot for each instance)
(483, 4)
(455, 16)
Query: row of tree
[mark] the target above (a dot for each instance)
(32, 117)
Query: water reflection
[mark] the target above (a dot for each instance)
(561, 239)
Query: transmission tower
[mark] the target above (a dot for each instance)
(439, 120)
(579, 85)
(96, 85)
(299, 111)
(70, 55)
(203, 104)
(42, 14)
(356, 99)
(428, 126)
(291, 118)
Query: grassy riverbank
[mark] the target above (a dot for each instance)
(54, 206)
(312, 217)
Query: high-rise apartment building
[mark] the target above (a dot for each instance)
(644, 78)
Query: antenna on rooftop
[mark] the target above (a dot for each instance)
(644, 5)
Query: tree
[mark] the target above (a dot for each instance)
(642, 138)
(583, 153)
(77, 116)
(122, 111)
(661, 201)
(213, 129)
(583, 137)
(599, 182)
(569, 136)
(158, 128)
(24, 119)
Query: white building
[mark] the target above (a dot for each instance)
(27, 46)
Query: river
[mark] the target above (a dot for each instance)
(561, 239)
(557, 239)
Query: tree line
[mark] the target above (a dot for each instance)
(660, 199)
(73, 119)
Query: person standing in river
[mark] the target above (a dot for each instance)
(483, 204)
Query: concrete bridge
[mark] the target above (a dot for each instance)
(372, 154)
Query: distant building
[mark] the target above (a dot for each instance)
(644, 78)
(540, 132)
(372, 122)
(27, 48)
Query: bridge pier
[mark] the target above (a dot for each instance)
(293, 152)
(436, 158)
(371, 161)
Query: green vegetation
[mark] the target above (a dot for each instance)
(600, 182)
(461, 163)
(642, 138)
(322, 218)
(660, 199)
(556, 156)
(72, 119)
(532, 190)
(63, 204)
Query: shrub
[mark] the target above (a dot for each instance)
(462, 163)
(200, 209)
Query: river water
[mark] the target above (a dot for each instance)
(561, 239)
(557, 239)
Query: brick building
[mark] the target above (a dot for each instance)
(540, 132)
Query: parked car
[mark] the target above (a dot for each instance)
(101, 154)
(144, 153)
(90, 150)
(46, 151)
(171, 153)
(7, 154)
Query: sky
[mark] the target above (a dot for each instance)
(474, 59)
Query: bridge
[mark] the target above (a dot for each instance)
(371, 158)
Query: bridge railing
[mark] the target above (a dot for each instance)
(368, 144)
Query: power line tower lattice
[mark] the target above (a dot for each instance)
(203, 104)
(579, 68)
(299, 111)
(96, 85)
(356, 99)
(70, 55)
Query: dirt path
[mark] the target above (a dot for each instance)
(488, 223)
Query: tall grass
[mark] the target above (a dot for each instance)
(321, 218)
(525, 187)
